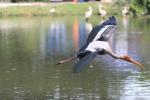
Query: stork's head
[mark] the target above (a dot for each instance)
(131, 60)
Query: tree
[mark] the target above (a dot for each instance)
(141, 6)
(147, 6)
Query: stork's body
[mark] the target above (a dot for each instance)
(98, 44)
(101, 10)
(88, 13)
(52, 10)
(125, 11)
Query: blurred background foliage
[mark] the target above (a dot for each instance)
(137, 7)
(140, 6)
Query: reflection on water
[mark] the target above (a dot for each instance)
(29, 48)
(121, 41)
(56, 37)
(75, 34)
(88, 27)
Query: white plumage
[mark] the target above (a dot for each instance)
(52, 10)
(101, 10)
(101, 31)
(95, 45)
(125, 11)
(88, 13)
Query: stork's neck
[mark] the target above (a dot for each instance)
(115, 55)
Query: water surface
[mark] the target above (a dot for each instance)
(30, 47)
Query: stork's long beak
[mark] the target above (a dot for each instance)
(137, 63)
(134, 62)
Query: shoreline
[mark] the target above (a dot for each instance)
(24, 4)
(43, 9)
(62, 9)
(5, 5)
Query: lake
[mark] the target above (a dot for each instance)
(31, 46)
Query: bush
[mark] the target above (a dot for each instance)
(141, 6)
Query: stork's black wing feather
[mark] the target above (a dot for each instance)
(85, 58)
(84, 62)
(106, 29)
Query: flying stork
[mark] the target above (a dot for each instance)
(98, 44)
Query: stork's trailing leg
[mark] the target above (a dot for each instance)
(66, 60)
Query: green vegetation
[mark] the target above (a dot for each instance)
(28, 0)
(61, 9)
(137, 7)
(140, 6)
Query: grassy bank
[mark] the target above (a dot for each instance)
(61, 9)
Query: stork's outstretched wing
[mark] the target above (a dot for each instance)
(83, 62)
(85, 58)
(102, 32)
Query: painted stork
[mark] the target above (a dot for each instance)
(52, 10)
(125, 11)
(88, 13)
(98, 44)
(101, 10)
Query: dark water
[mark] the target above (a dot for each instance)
(30, 47)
